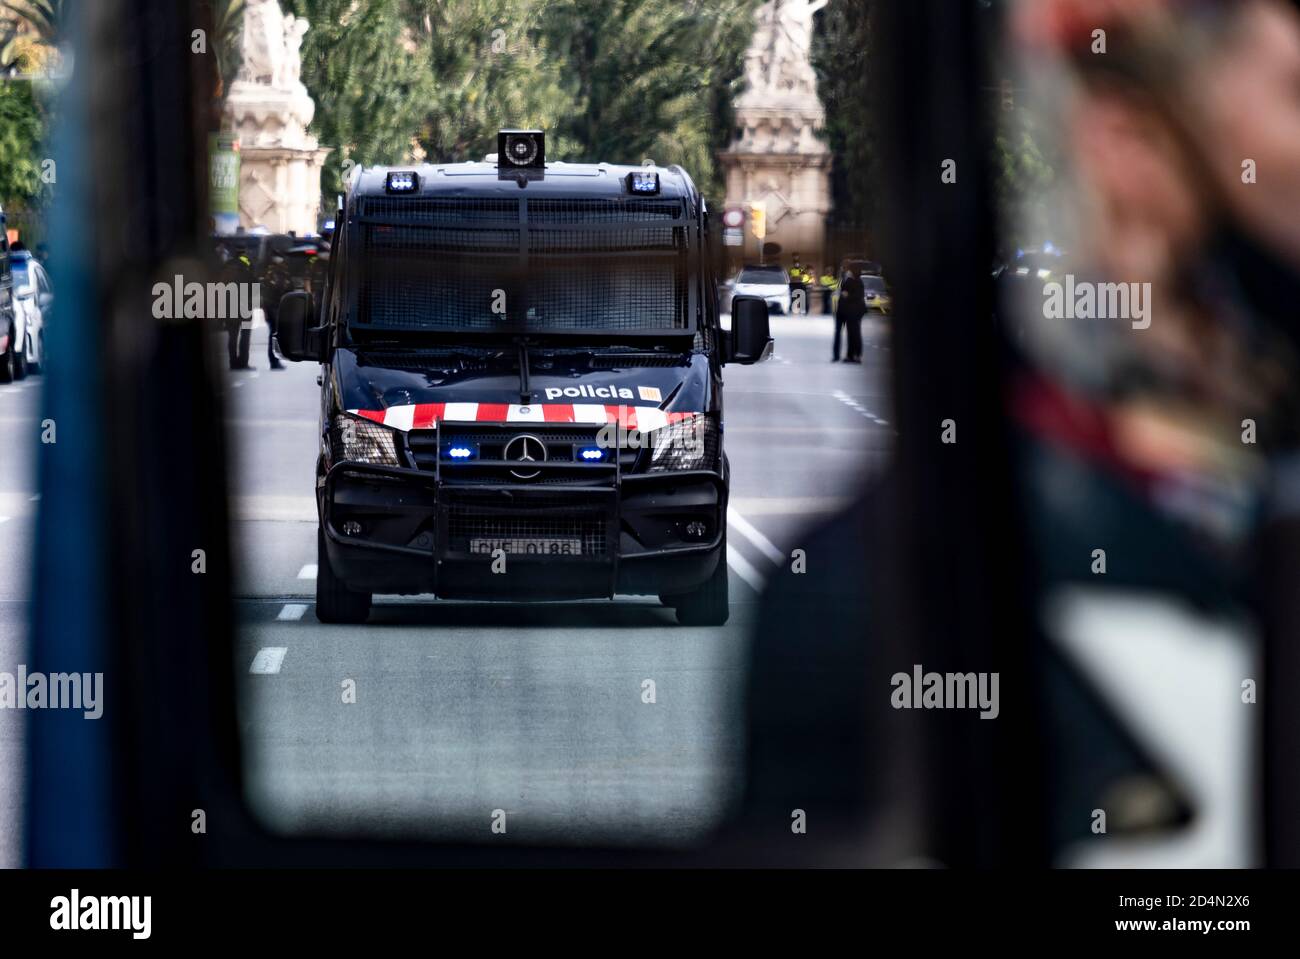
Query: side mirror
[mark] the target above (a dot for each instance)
(297, 340)
(751, 339)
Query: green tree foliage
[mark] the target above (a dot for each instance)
(22, 145)
(652, 78)
(617, 80)
(841, 53)
(227, 25)
(1024, 176)
(29, 33)
(607, 79)
(490, 66)
(1024, 169)
(363, 66)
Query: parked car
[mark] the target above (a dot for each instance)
(769, 282)
(33, 295)
(876, 293)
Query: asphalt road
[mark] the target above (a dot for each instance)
(531, 715)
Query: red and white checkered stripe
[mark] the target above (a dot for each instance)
(421, 416)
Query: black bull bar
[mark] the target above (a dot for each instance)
(599, 530)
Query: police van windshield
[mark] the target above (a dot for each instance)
(522, 265)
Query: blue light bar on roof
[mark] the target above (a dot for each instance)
(643, 182)
(403, 181)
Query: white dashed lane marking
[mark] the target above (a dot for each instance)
(268, 660)
(853, 404)
(292, 612)
(744, 570)
(746, 529)
(307, 572)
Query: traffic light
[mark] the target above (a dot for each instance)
(758, 218)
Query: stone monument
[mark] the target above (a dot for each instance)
(269, 110)
(776, 156)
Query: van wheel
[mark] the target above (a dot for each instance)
(20, 364)
(706, 605)
(335, 603)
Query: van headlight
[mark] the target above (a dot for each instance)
(362, 441)
(691, 444)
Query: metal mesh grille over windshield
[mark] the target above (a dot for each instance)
(603, 209)
(521, 265)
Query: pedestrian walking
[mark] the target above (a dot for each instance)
(850, 309)
(237, 269)
(276, 282)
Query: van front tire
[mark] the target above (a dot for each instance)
(335, 603)
(706, 605)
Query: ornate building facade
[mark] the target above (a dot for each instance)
(777, 157)
(268, 109)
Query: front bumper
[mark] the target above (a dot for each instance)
(404, 531)
(779, 299)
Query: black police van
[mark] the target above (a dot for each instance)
(522, 385)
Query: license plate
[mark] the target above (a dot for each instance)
(528, 547)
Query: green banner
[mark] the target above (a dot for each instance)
(223, 175)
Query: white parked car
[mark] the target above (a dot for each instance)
(771, 283)
(33, 303)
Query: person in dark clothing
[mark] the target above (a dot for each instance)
(271, 311)
(237, 269)
(276, 282)
(850, 310)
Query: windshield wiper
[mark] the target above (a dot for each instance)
(525, 393)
